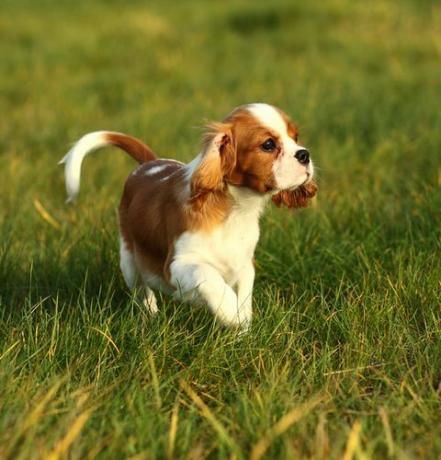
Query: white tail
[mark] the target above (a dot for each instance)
(74, 158)
(92, 141)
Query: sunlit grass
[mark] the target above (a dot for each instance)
(344, 355)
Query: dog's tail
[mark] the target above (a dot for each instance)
(93, 141)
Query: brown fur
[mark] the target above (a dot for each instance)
(151, 214)
(209, 201)
(298, 198)
(134, 147)
(218, 160)
(253, 167)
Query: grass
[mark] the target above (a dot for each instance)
(344, 356)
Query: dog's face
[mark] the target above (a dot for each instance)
(268, 157)
(256, 147)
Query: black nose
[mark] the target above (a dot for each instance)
(302, 156)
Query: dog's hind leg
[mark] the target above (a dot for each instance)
(127, 265)
(133, 279)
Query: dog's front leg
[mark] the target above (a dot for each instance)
(245, 284)
(207, 283)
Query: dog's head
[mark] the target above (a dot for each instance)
(256, 147)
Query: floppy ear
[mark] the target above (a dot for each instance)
(297, 198)
(217, 162)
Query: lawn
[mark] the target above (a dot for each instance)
(343, 359)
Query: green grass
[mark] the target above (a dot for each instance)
(345, 347)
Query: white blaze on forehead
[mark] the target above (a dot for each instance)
(269, 117)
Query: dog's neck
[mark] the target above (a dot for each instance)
(247, 201)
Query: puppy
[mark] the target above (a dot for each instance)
(191, 229)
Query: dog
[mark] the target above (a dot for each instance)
(191, 229)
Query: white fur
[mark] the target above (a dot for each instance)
(127, 265)
(138, 170)
(217, 266)
(129, 269)
(154, 170)
(214, 267)
(75, 157)
(191, 167)
(268, 116)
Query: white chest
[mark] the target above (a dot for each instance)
(229, 247)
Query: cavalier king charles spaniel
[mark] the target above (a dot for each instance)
(191, 229)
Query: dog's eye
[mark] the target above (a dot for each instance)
(269, 145)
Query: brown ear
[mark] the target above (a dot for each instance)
(217, 162)
(297, 198)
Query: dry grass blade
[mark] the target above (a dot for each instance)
(352, 443)
(173, 430)
(354, 369)
(35, 415)
(321, 438)
(387, 431)
(155, 380)
(9, 349)
(107, 337)
(63, 444)
(45, 214)
(286, 422)
(209, 416)
(33, 418)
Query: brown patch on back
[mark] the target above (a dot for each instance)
(151, 214)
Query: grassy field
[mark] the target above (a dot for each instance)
(344, 356)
